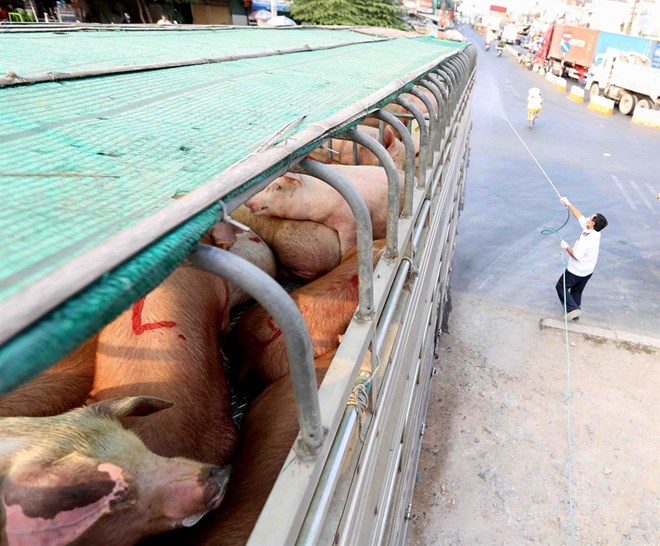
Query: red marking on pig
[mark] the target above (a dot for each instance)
(254, 239)
(181, 336)
(276, 332)
(355, 280)
(139, 328)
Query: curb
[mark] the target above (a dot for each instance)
(576, 94)
(647, 117)
(601, 105)
(605, 333)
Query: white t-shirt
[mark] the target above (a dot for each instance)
(585, 250)
(534, 102)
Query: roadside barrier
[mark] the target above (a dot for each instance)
(601, 105)
(647, 117)
(576, 94)
(560, 84)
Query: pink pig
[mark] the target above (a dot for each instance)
(81, 478)
(344, 149)
(303, 197)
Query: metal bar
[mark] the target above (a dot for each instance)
(392, 301)
(364, 231)
(433, 123)
(406, 138)
(12, 79)
(393, 187)
(287, 315)
(311, 529)
(423, 139)
(433, 88)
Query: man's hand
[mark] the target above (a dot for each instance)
(564, 244)
(564, 201)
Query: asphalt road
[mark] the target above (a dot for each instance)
(601, 163)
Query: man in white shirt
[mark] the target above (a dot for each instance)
(582, 258)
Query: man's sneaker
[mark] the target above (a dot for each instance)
(574, 314)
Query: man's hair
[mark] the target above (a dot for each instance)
(600, 222)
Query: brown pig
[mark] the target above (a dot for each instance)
(341, 151)
(81, 478)
(304, 197)
(269, 429)
(327, 306)
(304, 249)
(166, 345)
(62, 387)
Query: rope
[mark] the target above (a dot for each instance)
(359, 398)
(568, 396)
(534, 158)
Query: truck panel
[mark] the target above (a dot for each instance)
(581, 45)
(643, 80)
(623, 42)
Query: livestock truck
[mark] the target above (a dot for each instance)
(116, 167)
(570, 51)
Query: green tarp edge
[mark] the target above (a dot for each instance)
(67, 326)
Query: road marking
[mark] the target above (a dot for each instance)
(653, 192)
(624, 192)
(641, 195)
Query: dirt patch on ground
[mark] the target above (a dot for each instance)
(495, 462)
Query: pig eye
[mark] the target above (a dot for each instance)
(277, 186)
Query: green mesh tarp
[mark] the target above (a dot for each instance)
(85, 159)
(30, 55)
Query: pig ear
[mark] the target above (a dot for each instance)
(291, 180)
(223, 234)
(133, 406)
(57, 502)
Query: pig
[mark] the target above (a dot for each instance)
(246, 244)
(62, 387)
(327, 306)
(304, 250)
(343, 149)
(303, 197)
(268, 431)
(398, 109)
(81, 478)
(166, 345)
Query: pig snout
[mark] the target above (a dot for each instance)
(215, 485)
(254, 205)
(188, 500)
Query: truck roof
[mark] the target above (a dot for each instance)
(95, 163)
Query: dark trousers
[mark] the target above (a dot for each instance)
(574, 287)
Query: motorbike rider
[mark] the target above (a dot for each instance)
(534, 102)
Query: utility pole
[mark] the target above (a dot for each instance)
(628, 29)
(273, 8)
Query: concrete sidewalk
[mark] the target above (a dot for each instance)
(498, 465)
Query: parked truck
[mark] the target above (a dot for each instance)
(570, 51)
(626, 79)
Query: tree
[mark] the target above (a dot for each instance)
(379, 13)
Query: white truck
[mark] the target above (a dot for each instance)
(630, 82)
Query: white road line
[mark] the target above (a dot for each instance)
(624, 192)
(653, 192)
(641, 195)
